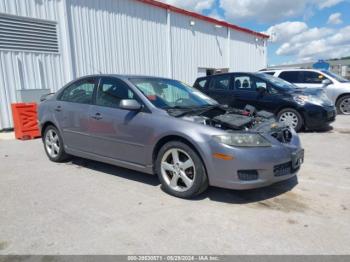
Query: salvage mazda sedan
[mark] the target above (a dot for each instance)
(164, 127)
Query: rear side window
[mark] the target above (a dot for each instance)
(244, 82)
(80, 92)
(221, 82)
(291, 76)
(269, 73)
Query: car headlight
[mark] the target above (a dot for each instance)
(301, 100)
(243, 140)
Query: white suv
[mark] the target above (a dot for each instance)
(336, 87)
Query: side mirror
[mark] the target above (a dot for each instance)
(130, 104)
(261, 90)
(326, 82)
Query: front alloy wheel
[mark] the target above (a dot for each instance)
(180, 170)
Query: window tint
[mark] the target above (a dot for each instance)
(312, 77)
(111, 91)
(221, 82)
(201, 84)
(291, 76)
(260, 84)
(80, 92)
(244, 82)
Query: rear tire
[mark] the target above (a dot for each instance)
(181, 170)
(291, 118)
(53, 145)
(343, 105)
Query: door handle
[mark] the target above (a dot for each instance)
(58, 109)
(97, 116)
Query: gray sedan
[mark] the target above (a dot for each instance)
(164, 127)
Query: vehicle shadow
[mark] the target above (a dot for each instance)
(325, 129)
(248, 196)
(115, 171)
(212, 193)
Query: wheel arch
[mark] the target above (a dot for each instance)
(290, 107)
(45, 125)
(340, 97)
(170, 138)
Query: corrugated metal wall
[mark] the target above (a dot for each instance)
(123, 37)
(128, 37)
(119, 36)
(247, 52)
(199, 45)
(31, 70)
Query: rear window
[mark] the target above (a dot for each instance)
(269, 73)
(201, 83)
(290, 76)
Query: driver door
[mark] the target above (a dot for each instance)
(117, 133)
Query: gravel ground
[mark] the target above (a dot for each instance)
(85, 207)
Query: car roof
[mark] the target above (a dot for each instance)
(230, 73)
(123, 76)
(291, 69)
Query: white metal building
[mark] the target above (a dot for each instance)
(46, 43)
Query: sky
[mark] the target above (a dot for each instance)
(300, 30)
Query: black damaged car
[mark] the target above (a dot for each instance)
(299, 108)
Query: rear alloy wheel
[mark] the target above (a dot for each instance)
(343, 105)
(180, 170)
(290, 117)
(54, 145)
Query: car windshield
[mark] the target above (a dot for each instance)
(335, 76)
(278, 82)
(171, 94)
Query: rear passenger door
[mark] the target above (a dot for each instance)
(220, 89)
(245, 92)
(71, 112)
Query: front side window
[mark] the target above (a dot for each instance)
(80, 92)
(167, 93)
(276, 82)
(310, 77)
(111, 91)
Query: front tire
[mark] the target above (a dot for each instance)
(343, 105)
(291, 118)
(53, 145)
(180, 170)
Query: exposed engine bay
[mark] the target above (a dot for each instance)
(231, 119)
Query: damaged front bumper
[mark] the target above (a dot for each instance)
(252, 168)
